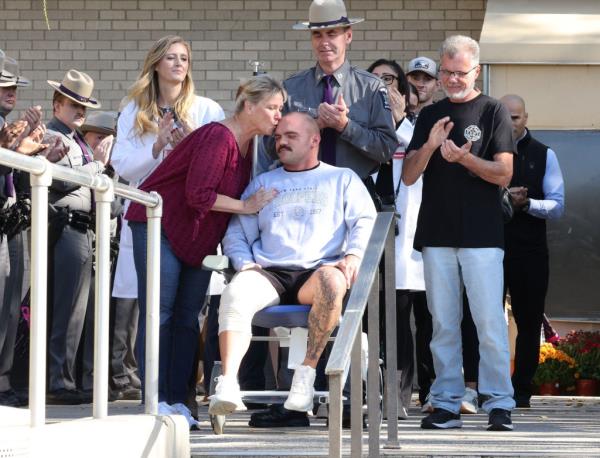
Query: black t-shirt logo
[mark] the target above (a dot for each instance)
(472, 133)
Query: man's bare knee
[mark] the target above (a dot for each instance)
(331, 283)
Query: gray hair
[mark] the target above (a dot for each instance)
(256, 89)
(458, 43)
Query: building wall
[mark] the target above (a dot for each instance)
(109, 39)
(551, 113)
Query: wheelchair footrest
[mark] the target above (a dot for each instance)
(273, 397)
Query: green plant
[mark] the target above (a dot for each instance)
(554, 366)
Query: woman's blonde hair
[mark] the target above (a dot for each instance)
(145, 91)
(256, 89)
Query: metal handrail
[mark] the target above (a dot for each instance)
(347, 347)
(42, 173)
(357, 301)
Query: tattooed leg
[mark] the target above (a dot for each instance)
(328, 287)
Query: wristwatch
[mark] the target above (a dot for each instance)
(525, 208)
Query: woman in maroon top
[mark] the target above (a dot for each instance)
(200, 182)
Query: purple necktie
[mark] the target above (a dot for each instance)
(84, 148)
(87, 158)
(9, 185)
(328, 135)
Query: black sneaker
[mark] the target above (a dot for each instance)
(500, 420)
(63, 396)
(130, 393)
(278, 417)
(10, 398)
(441, 419)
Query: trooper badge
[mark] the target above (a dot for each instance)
(472, 133)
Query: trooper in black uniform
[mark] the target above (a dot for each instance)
(537, 191)
(70, 260)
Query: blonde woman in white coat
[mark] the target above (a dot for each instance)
(159, 111)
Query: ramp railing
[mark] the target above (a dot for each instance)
(42, 173)
(347, 349)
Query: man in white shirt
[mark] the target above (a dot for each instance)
(538, 193)
(304, 247)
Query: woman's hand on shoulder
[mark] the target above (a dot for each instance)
(258, 200)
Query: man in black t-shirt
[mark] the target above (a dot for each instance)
(463, 147)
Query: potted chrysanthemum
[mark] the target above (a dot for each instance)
(584, 348)
(556, 370)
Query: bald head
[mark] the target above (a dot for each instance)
(309, 122)
(297, 138)
(513, 99)
(518, 116)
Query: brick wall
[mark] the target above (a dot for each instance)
(109, 39)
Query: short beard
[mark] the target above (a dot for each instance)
(460, 95)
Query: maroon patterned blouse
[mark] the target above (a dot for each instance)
(206, 163)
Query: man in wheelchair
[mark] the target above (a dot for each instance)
(304, 247)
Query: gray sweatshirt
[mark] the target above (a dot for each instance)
(319, 216)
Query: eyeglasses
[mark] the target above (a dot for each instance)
(460, 75)
(388, 79)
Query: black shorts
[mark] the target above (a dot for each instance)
(287, 283)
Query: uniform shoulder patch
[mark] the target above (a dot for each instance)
(384, 98)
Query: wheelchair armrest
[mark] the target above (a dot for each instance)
(215, 263)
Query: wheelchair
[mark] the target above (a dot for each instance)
(293, 317)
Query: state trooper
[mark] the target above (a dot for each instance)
(350, 105)
(70, 260)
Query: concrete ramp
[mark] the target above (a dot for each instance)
(115, 436)
(11, 416)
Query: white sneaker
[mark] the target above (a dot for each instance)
(181, 409)
(302, 391)
(227, 398)
(165, 409)
(469, 402)
(427, 407)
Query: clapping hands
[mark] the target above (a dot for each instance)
(333, 116)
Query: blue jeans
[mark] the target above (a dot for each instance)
(182, 293)
(481, 271)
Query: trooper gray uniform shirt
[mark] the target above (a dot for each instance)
(369, 138)
(70, 265)
(3, 169)
(65, 194)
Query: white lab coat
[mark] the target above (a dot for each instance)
(409, 263)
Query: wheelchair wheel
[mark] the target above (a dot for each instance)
(217, 422)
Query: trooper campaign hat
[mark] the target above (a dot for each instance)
(77, 86)
(9, 72)
(327, 14)
(102, 122)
